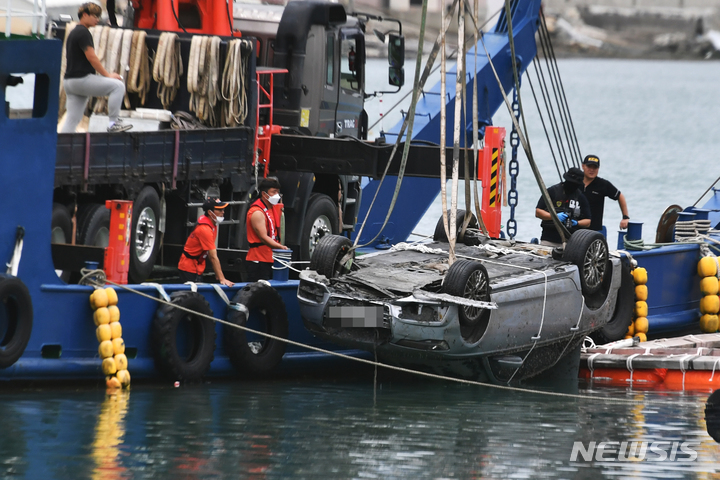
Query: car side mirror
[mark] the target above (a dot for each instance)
(396, 59)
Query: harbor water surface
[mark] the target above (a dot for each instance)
(655, 126)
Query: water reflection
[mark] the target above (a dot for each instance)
(333, 429)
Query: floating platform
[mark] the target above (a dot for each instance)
(691, 362)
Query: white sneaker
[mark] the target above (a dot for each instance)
(119, 126)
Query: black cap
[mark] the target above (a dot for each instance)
(574, 175)
(592, 160)
(213, 203)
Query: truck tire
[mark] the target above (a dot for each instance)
(617, 326)
(322, 218)
(96, 228)
(440, 236)
(61, 225)
(144, 235)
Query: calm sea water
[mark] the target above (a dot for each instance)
(656, 128)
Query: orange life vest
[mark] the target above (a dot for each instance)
(259, 252)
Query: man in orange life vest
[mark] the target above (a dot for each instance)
(201, 245)
(262, 231)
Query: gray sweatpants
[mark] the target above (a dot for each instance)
(79, 91)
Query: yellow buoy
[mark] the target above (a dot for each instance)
(106, 349)
(118, 346)
(642, 337)
(641, 293)
(124, 377)
(108, 366)
(640, 276)
(112, 382)
(103, 333)
(641, 309)
(709, 323)
(99, 298)
(121, 361)
(115, 329)
(101, 316)
(114, 313)
(112, 296)
(709, 285)
(707, 267)
(641, 325)
(631, 330)
(710, 304)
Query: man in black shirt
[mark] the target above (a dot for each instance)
(596, 189)
(80, 80)
(572, 207)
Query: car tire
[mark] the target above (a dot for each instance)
(440, 236)
(469, 279)
(61, 225)
(616, 328)
(330, 250)
(144, 235)
(588, 250)
(321, 218)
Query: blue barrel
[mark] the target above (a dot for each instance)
(634, 231)
(281, 259)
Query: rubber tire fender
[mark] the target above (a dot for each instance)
(96, 218)
(617, 326)
(61, 220)
(140, 271)
(16, 306)
(576, 250)
(164, 338)
(456, 283)
(440, 236)
(328, 253)
(256, 297)
(319, 205)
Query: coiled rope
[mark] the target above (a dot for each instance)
(202, 78)
(167, 68)
(233, 89)
(138, 76)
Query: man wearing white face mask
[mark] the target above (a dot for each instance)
(262, 231)
(201, 245)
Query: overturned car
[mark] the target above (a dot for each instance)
(502, 312)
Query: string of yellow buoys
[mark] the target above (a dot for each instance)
(639, 326)
(109, 333)
(710, 302)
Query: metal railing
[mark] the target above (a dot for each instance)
(37, 16)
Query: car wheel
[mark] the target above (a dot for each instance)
(329, 254)
(588, 250)
(321, 219)
(145, 235)
(440, 236)
(469, 279)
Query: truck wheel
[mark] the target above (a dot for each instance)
(96, 229)
(145, 238)
(440, 236)
(588, 250)
(328, 254)
(322, 218)
(61, 232)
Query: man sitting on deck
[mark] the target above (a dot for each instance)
(570, 204)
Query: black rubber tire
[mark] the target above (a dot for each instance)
(172, 363)
(664, 231)
(61, 225)
(145, 232)
(588, 250)
(440, 236)
(617, 326)
(267, 314)
(328, 253)
(96, 226)
(16, 319)
(469, 279)
(321, 209)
